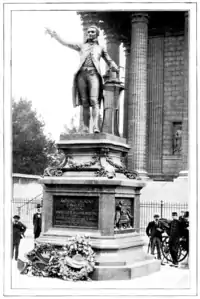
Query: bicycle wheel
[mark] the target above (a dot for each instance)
(165, 249)
(182, 251)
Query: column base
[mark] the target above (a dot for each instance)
(183, 175)
(143, 175)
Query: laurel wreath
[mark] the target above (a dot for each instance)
(56, 264)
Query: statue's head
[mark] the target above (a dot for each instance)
(92, 32)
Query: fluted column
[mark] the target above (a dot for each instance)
(155, 104)
(137, 99)
(185, 141)
(127, 64)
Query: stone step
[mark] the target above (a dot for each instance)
(126, 272)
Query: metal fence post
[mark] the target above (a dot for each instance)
(19, 211)
(161, 209)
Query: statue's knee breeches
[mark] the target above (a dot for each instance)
(94, 86)
(88, 86)
(85, 103)
(94, 102)
(88, 83)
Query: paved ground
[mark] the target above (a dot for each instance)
(168, 277)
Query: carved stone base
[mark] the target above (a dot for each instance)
(92, 155)
(117, 258)
(92, 193)
(87, 206)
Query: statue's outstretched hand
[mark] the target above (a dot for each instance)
(50, 32)
(114, 69)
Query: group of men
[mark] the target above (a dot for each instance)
(19, 230)
(177, 228)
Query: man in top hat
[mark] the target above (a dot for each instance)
(37, 222)
(18, 233)
(174, 235)
(88, 82)
(154, 231)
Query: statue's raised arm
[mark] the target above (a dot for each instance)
(54, 34)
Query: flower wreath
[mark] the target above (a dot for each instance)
(74, 261)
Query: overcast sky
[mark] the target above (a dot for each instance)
(43, 69)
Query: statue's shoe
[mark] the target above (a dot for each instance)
(96, 130)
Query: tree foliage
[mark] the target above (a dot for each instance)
(72, 128)
(31, 147)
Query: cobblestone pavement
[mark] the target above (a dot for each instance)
(168, 277)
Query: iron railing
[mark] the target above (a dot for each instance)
(164, 209)
(25, 208)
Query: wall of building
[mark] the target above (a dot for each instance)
(26, 186)
(173, 99)
(165, 101)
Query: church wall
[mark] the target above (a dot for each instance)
(173, 101)
(165, 103)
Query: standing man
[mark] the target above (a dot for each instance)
(154, 231)
(37, 222)
(18, 233)
(88, 82)
(174, 235)
(185, 229)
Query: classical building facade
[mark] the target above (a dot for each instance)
(156, 86)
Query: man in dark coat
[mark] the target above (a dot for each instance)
(88, 82)
(18, 233)
(37, 222)
(154, 231)
(184, 221)
(174, 236)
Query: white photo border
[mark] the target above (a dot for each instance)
(115, 289)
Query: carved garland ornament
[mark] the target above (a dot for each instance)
(81, 166)
(58, 171)
(103, 171)
(120, 169)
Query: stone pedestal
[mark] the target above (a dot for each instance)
(81, 196)
(112, 90)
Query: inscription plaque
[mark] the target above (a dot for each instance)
(71, 211)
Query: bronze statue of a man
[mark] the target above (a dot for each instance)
(88, 82)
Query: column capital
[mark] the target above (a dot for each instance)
(139, 17)
(88, 19)
(127, 48)
(112, 38)
(111, 35)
